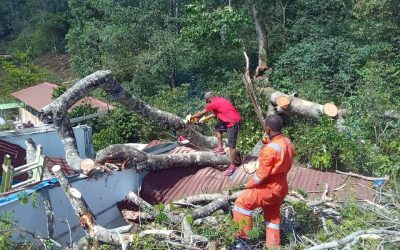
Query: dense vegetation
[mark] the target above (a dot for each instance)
(170, 52)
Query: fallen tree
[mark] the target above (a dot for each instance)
(56, 112)
(122, 156)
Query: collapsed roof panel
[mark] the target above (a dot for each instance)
(167, 185)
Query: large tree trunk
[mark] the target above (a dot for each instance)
(131, 157)
(57, 112)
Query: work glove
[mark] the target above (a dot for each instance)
(188, 118)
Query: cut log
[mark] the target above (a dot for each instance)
(79, 205)
(292, 105)
(87, 165)
(283, 102)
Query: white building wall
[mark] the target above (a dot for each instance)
(26, 116)
(50, 140)
(101, 195)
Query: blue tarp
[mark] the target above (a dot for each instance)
(15, 196)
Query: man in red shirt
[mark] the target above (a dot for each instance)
(228, 121)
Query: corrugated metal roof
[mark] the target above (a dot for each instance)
(18, 158)
(51, 161)
(16, 152)
(40, 95)
(175, 183)
(314, 183)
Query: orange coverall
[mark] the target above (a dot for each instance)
(267, 189)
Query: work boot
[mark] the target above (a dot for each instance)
(240, 244)
(219, 150)
(230, 170)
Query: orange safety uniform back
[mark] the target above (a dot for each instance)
(267, 189)
(275, 161)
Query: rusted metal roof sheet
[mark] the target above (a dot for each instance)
(52, 161)
(94, 103)
(40, 95)
(340, 187)
(16, 152)
(171, 184)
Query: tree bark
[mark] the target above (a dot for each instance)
(141, 161)
(250, 92)
(79, 205)
(352, 238)
(57, 112)
(261, 37)
(392, 115)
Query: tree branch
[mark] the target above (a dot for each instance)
(352, 238)
(58, 111)
(250, 92)
(142, 161)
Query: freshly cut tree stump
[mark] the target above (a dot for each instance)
(283, 102)
(330, 109)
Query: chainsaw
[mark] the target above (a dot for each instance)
(195, 120)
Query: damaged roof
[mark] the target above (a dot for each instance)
(163, 186)
(16, 152)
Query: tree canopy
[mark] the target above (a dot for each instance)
(170, 52)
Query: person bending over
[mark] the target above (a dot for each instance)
(228, 119)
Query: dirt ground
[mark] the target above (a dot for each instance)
(59, 64)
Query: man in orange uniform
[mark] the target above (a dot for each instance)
(268, 186)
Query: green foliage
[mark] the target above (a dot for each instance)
(224, 237)
(160, 217)
(205, 24)
(121, 126)
(34, 26)
(23, 198)
(58, 91)
(82, 110)
(7, 229)
(20, 73)
(6, 127)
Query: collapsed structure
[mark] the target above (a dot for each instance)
(136, 160)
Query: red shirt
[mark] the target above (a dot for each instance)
(224, 110)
